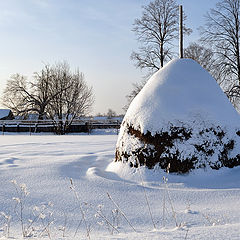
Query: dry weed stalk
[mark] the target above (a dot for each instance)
(165, 180)
(6, 226)
(123, 214)
(80, 207)
(100, 214)
(145, 194)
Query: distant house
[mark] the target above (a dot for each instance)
(6, 114)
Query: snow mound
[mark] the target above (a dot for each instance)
(181, 117)
(181, 90)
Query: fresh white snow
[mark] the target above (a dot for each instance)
(180, 91)
(205, 204)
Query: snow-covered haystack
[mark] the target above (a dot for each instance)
(181, 117)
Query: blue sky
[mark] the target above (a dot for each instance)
(94, 35)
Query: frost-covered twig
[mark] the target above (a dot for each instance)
(80, 207)
(100, 214)
(165, 180)
(7, 220)
(164, 206)
(63, 228)
(145, 194)
(123, 214)
(20, 199)
(79, 224)
(38, 213)
(211, 221)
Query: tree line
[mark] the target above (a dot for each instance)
(157, 29)
(55, 93)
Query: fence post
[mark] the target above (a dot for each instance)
(117, 126)
(3, 128)
(36, 125)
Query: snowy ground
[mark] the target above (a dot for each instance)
(203, 205)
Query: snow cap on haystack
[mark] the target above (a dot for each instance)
(181, 117)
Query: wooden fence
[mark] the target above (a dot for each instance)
(38, 126)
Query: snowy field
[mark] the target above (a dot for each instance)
(107, 200)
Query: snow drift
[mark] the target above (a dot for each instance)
(181, 117)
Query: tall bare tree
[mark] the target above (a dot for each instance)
(156, 30)
(221, 31)
(73, 98)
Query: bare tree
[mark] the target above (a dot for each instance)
(156, 30)
(204, 56)
(41, 86)
(137, 87)
(72, 97)
(14, 96)
(55, 92)
(221, 31)
(24, 97)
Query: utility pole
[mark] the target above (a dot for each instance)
(180, 32)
